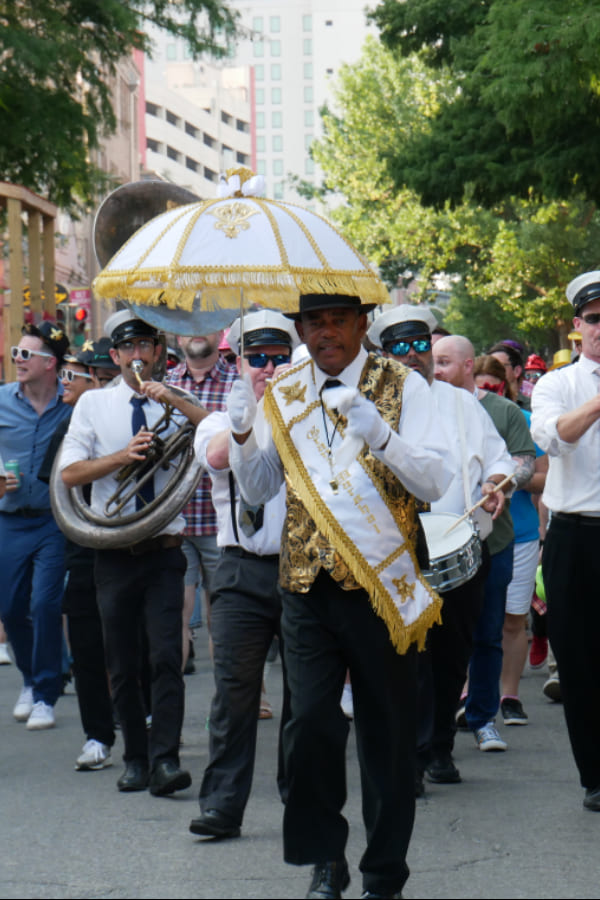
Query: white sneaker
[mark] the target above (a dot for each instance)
(42, 716)
(487, 738)
(94, 755)
(5, 659)
(24, 705)
(347, 702)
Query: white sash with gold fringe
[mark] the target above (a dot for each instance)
(348, 509)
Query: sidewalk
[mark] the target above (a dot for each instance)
(514, 828)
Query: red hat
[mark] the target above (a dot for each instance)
(536, 362)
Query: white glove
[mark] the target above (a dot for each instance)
(241, 406)
(365, 422)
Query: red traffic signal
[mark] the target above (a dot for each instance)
(80, 314)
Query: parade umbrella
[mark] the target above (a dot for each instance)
(193, 269)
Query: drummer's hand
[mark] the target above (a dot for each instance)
(364, 421)
(494, 503)
(241, 408)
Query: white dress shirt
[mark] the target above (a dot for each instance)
(265, 541)
(417, 453)
(573, 480)
(486, 450)
(101, 425)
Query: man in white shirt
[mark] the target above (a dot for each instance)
(565, 416)
(139, 588)
(404, 333)
(246, 600)
(355, 439)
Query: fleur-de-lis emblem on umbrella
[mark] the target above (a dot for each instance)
(233, 218)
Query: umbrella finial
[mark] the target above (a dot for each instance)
(240, 182)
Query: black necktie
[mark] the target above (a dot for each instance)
(331, 383)
(145, 494)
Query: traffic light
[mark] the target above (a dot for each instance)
(80, 314)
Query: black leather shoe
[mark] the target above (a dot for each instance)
(419, 785)
(441, 770)
(167, 777)
(329, 880)
(371, 895)
(592, 799)
(135, 776)
(214, 824)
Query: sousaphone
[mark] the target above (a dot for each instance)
(121, 214)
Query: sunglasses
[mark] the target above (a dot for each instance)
(69, 375)
(591, 318)
(260, 360)
(25, 354)
(401, 348)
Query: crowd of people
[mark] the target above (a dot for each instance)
(399, 516)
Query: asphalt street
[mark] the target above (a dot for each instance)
(515, 827)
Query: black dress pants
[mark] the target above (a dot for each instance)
(325, 632)
(143, 595)
(571, 569)
(443, 666)
(245, 614)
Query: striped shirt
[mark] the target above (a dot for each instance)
(212, 393)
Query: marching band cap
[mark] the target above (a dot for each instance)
(311, 302)
(405, 320)
(52, 336)
(582, 289)
(123, 325)
(561, 358)
(535, 363)
(266, 326)
(574, 336)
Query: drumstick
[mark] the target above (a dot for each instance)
(479, 503)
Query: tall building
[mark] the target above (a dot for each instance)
(290, 52)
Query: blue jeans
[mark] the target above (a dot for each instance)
(31, 589)
(485, 667)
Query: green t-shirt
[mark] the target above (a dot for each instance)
(512, 425)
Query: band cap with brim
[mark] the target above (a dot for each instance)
(403, 321)
(583, 289)
(312, 302)
(574, 336)
(261, 328)
(52, 336)
(97, 355)
(123, 325)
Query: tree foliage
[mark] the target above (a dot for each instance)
(525, 116)
(57, 58)
(506, 265)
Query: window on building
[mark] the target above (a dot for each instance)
(260, 120)
(278, 191)
(187, 52)
(191, 164)
(259, 96)
(260, 143)
(191, 130)
(309, 118)
(306, 23)
(226, 118)
(275, 48)
(275, 23)
(172, 119)
(276, 71)
(242, 158)
(257, 23)
(242, 126)
(152, 145)
(259, 72)
(275, 95)
(152, 109)
(309, 166)
(308, 70)
(261, 167)
(277, 143)
(329, 22)
(171, 51)
(277, 167)
(209, 174)
(307, 44)
(277, 120)
(308, 94)
(329, 71)
(208, 139)
(258, 49)
(172, 153)
(308, 139)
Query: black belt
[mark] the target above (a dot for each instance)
(152, 545)
(577, 518)
(27, 512)
(245, 554)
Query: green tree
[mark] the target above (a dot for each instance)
(57, 58)
(506, 266)
(525, 116)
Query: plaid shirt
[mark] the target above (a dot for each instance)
(212, 393)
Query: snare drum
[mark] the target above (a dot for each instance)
(453, 558)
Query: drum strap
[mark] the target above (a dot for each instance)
(460, 417)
